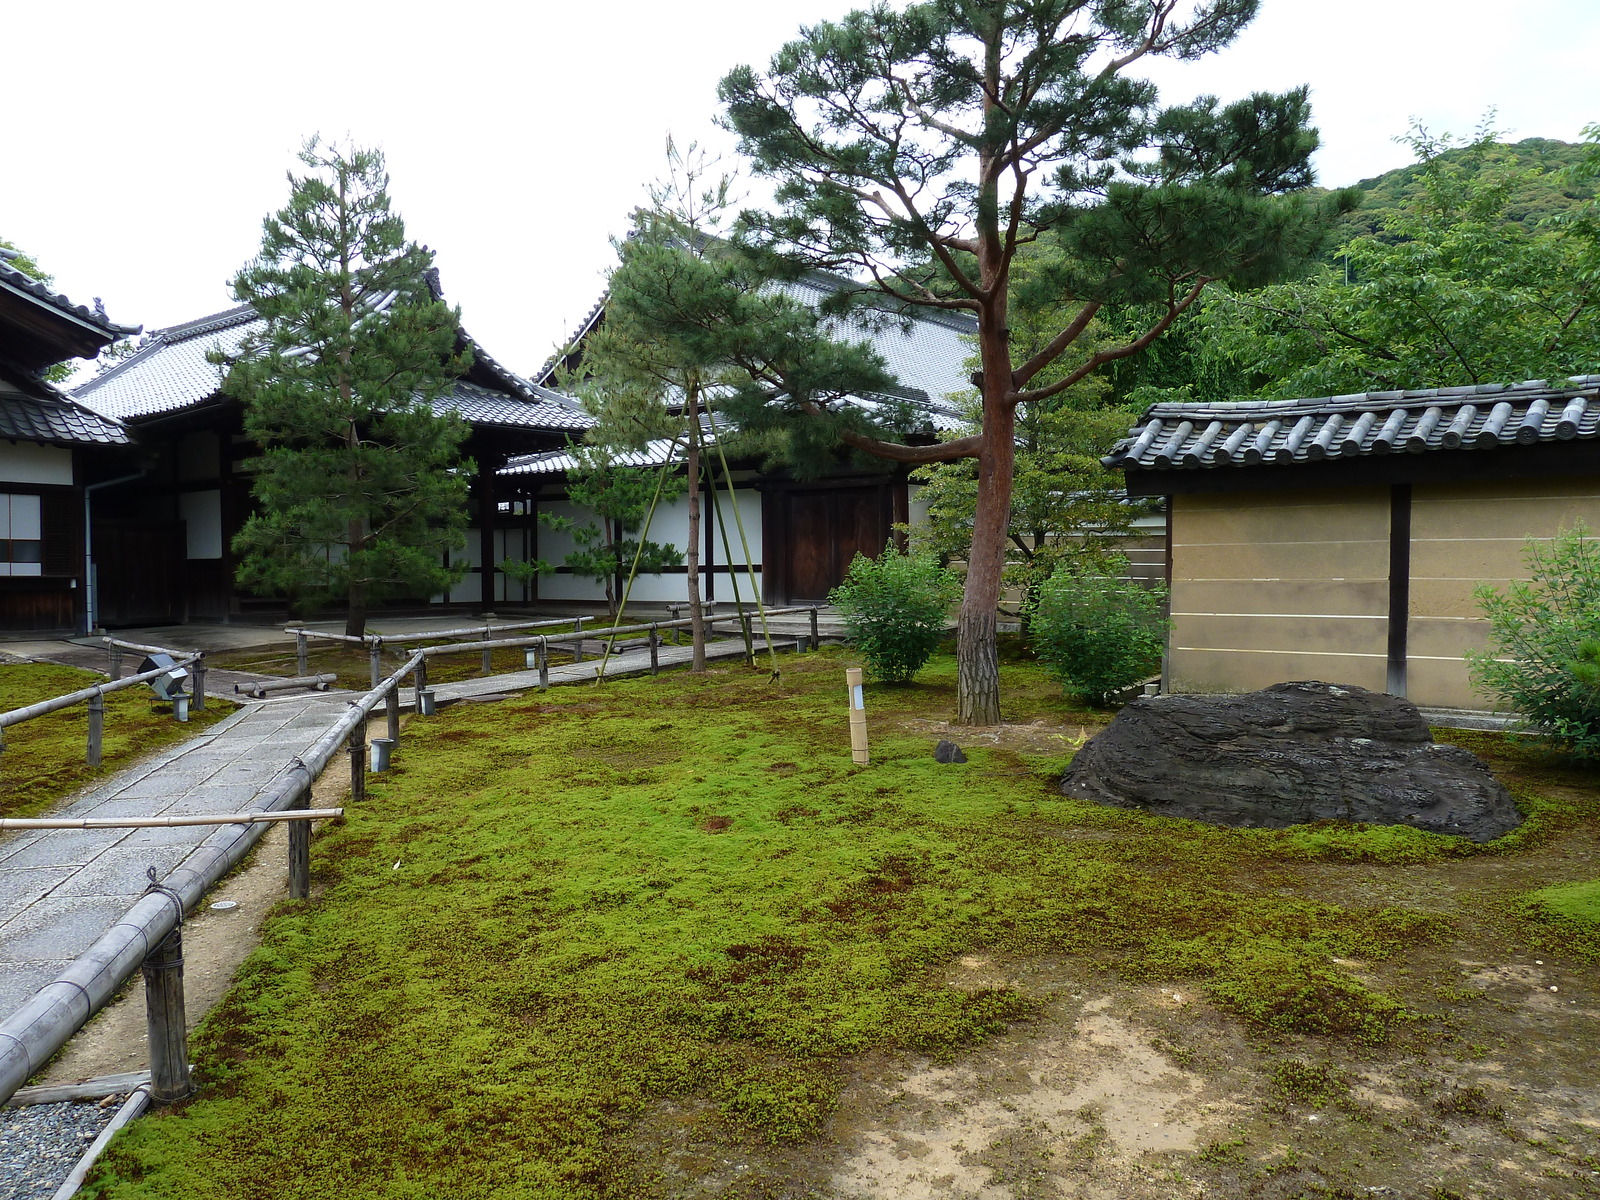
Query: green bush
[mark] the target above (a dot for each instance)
(894, 608)
(1098, 633)
(1545, 634)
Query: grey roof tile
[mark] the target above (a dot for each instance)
(170, 372)
(23, 282)
(1199, 435)
(40, 412)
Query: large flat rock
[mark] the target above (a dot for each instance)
(1290, 754)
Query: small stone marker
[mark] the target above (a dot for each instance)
(948, 752)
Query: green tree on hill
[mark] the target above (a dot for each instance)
(360, 487)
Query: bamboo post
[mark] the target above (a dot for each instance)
(376, 657)
(816, 642)
(544, 664)
(164, 1020)
(300, 851)
(419, 680)
(301, 655)
(655, 657)
(858, 715)
(577, 644)
(199, 670)
(488, 655)
(744, 632)
(97, 726)
(391, 710)
(116, 662)
(358, 764)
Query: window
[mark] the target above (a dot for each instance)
(21, 538)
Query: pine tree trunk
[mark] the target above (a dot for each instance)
(977, 650)
(691, 558)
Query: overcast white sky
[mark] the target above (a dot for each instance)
(143, 145)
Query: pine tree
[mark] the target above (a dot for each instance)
(360, 487)
(920, 147)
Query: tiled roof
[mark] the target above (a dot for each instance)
(1197, 436)
(481, 406)
(42, 413)
(21, 281)
(555, 462)
(925, 351)
(170, 372)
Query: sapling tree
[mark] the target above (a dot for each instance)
(360, 487)
(691, 323)
(922, 147)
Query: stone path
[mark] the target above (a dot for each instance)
(60, 889)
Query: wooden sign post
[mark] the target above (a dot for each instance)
(858, 715)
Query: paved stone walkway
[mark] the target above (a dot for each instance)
(60, 889)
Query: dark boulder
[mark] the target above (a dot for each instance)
(1287, 755)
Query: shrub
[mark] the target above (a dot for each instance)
(1545, 634)
(1098, 633)
(894, 608)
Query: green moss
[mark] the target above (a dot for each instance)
(1315, 1085)
(1574, 901)
(43, 759)
(562, 916)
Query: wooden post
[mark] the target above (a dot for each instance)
(97, 726)
(744, 632)
(816, 642)
(376, 656)
(300, 852)
(300, 655)
(419, 679)
(199, 670)
(164, 1020)
(358, 764)
(577, 645)
(655, 658)
(391, 709)
(544, 664)
(858, 715)
(488, 655)
(116, 663)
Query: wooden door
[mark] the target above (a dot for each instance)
(824, 529)
(139, 567)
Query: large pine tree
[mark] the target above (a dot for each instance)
(920, 147)
(360, 486)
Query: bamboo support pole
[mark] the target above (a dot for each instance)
(391, 712)
(816, 642)
(114, 669)
(262, 687)
(655, 650)
(858, 715)
(544, 664)
(97, 727)
(302, 666)
(164, 1020)
(18, 715)
(488, 655)
(253, 817)
(358, 764)
(577, 646)
(375, 657)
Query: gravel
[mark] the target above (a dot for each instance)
(41, 1143)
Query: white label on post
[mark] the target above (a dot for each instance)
(856, 698)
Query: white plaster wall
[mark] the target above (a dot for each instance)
(916, 507)
(201, 513)
(29, 462)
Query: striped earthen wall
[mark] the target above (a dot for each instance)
(1271, 586)
(1463, 534)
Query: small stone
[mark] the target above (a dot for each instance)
(948, 752)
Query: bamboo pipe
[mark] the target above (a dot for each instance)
(858, 715)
